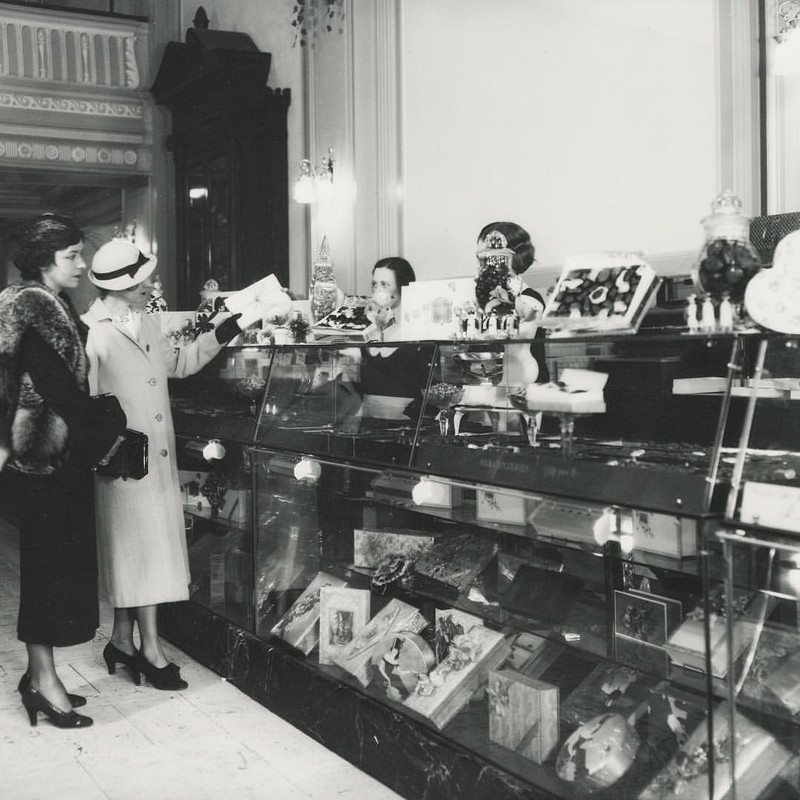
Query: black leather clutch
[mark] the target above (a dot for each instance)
(130, 460)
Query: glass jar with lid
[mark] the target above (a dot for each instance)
(727, 261)
(323, 291)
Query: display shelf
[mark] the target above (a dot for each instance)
(579, 568)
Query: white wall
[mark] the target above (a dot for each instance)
(590, 122)
(268, 23)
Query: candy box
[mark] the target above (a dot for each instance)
(523, 714)
(370, 547)
(447, 689)
(299, 626)
(601, 292)
(393, 618)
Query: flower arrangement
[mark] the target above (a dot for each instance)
(308, 16)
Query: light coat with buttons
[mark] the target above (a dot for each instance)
(140, 532)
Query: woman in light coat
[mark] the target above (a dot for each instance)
(142, 552)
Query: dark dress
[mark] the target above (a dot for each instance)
(58, 557)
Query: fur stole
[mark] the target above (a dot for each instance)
(35, 435)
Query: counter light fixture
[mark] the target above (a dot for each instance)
(315, 185)
(612, 526)
(786, 55)
(307, 470)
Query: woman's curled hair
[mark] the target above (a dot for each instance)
(40, 241)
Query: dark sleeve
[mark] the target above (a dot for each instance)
(537, 346)
(90, 437)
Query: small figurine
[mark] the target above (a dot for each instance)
(726, 313)
(708, 320)
(691, 314)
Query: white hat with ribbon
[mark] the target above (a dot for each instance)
(120, 264)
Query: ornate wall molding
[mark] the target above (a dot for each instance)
(28, 152)
(72, 105)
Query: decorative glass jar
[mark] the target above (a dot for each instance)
(323, 291)
(727, 261)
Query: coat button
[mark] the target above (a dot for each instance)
(152, 381)
(159, 417)
(147, 347)
(164, 452)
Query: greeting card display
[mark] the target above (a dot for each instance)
(646, 617)
(392, 619)
(601, 292)
(343, 614)
(523, 714)
(441, 694)
(299, 626)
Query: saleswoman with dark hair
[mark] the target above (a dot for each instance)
(523, 365)
(391, 377)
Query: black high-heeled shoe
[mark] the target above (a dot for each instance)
(36, 703)
(168, 677)
(75, 700)
(112, 655)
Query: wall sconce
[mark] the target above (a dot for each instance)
(315, 185)
(786, 55)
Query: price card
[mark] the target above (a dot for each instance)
(771, 505)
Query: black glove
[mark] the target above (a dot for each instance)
(228, 329)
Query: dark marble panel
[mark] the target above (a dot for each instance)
(407, 755)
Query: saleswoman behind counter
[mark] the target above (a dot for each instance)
(391, 377)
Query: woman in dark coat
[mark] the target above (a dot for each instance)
(49, 440)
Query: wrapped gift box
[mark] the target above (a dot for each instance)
(758, 759)
(393, 618)
(370, 547)
(523, 714)
(450, 684)
(457, 560)
(299, 626)
(541, 594)
(608, 687)
(499, 507)
(343, 614)
(687, 647)
(508, 564)
(664, 534)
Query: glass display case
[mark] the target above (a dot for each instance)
(759, 612)
(519, 581)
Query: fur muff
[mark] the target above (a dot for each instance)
(36, 435)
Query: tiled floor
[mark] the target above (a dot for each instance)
(205, 743)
